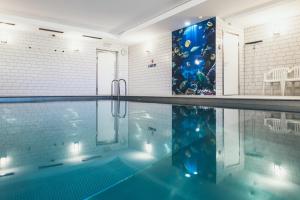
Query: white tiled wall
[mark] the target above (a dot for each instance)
(274, 52)
(34, 63)
(144, 81)
(157, 81)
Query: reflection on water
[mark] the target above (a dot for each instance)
(194, 141)
(102, 150)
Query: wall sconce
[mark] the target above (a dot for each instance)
(4, 37)
(148, 147)
(75, 147)
(278, 170)
(278, 28)
(3, 41)
(5, 32)
(148, 48)
(75, 46)
(3, 161)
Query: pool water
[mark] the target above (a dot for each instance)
(129, 150)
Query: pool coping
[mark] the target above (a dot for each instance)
(284, 105)
(248, 103)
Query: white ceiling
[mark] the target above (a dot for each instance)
(112, 16)
(220, 8)
(266, 13)
(138, 20)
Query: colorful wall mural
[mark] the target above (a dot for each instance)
(194, 59)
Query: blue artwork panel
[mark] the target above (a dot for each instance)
(194, 59)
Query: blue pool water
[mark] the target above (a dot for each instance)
(129, 150)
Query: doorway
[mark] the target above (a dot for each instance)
(107, 70)
(231, 63)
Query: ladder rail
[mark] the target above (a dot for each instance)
(112, 86)
(117, 107)
(118, 87)
(125, 85)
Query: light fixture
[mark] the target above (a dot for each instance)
(75, 43)
(195, 173)
(278, 170)
(197, 129)
(5, 33)
(75, 147)
(187, 175)
(276, 30)
(3, 161)
(148, 48)
(200, 17)
(148, 147)
(187, 23)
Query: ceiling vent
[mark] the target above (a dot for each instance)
(50, 30)
(92, 37)
(7, 23)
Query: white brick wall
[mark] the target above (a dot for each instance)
(274, 52)
(33, 63)
(157, 81)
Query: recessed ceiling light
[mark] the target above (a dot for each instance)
(200, 17)
(187, 23)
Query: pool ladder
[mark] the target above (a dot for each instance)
(116, 105)
(118, 83)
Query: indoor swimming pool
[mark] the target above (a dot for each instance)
(106, 150)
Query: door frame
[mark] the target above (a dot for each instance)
(223, 62)
(97, 66)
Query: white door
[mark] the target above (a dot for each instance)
(231, 64)
(231, 137)
(107, 70)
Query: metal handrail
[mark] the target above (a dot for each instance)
(118, 87)
(125, 84)
(112, 86)
(113, 106)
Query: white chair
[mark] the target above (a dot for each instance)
(277, 125)
(295, 124)
(278, 75)
(293, 76)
